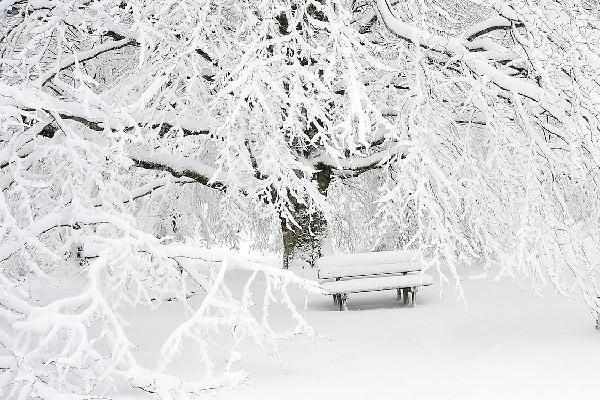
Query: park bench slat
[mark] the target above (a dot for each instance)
(331, 272)
(380, 257)
(377, 283)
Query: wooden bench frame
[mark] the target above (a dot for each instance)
(406, 292)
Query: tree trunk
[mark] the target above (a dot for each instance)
(305, 241)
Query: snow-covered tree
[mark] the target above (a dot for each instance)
(136, 135)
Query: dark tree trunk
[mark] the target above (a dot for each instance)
(305, 241)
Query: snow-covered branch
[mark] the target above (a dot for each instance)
(89, 54)
(180, 167)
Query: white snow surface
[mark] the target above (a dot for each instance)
(377, 283)
(504, 343)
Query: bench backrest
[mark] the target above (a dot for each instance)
(365, 264)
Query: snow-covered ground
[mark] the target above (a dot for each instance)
(505, 343)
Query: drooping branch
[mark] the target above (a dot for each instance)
(474, 61)
(489, 25)
(352, 167)
(180, 167)
(94, 116)
(89, 54)
(68, 216)
(149, 188)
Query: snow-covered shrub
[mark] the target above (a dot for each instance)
(68, 211)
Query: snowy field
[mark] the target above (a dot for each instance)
(506, 343)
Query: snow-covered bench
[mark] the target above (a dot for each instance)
(343, 274)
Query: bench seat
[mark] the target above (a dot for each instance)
(373, 284)
(401, 270)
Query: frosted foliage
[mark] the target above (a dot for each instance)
(78, 344)
(138, 137)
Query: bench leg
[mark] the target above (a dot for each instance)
(337, 300)
(413, 295)
(405, 295)
(342, 298)
(399, 294)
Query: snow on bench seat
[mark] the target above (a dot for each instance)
(377, 283)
